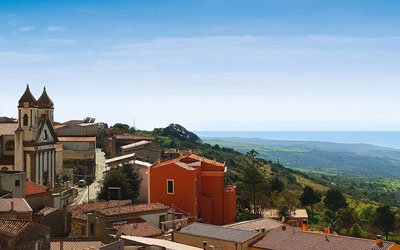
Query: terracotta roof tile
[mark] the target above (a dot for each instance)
(140, 228)
(75, 244)
(134, 209)
(20, 205)
(79, 211)
(91, 207)
(34, 189)
(293, 238)
(12, 228)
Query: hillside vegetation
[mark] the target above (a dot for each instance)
(263, 182)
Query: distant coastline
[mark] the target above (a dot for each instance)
(379, 138)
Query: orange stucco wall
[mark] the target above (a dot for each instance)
(215, 203)
(184, 190)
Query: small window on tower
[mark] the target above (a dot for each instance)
(25, 120)
(170, 186)
(17, 183)
(45, 136)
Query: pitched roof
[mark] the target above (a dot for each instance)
(47, 210)
(293, 238)
(27, 97)
(134, 137)
(12, 228)
(19, 205)
(257, 224)
(135, 145)
(44, 100)
(219, 232)
(77, 138)
(134, 209)
(91, 207)
(139, 227)
(191, 161)
(34, 189)
(274, 213)
(8, 128)
(170, 245)
(75, 244)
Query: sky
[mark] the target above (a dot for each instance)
(221, 65)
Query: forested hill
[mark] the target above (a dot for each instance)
(318, 168)
(331, 158)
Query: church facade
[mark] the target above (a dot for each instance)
(35, 141)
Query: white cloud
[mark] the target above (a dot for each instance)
(55, 28)
(60, 41)
(26, 28)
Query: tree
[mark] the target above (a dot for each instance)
(347, 218)
(309, 198)
(251, 176)
(126, 177)
(385, 220)
(277, 185)
(334, 200)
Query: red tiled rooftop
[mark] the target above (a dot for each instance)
(134, 209)
(33, 188)
(296, 239)
(12, 228)
(72, 244)
(18, 204)
(78, 211)
(192, 159)
(91, 207)
(139, 228)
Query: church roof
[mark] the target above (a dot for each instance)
(44, 100)
(27, 97)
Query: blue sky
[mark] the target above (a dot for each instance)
(209, 65)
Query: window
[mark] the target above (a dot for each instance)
(45, 136)
(17, 183)
(170, 186)
(92, 228)
(25, 120)
(10, 145)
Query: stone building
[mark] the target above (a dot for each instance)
(12, 184)
(30, 144)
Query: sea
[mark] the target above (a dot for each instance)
(380, 138)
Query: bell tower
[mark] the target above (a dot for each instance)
(45, 106)
(28, 115)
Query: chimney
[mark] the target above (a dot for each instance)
(304, 227)
(12, 205)
(204, 245)
(379, 241)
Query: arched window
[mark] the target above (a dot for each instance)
(9, 145)
(25, 120)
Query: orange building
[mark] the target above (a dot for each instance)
(196, 186)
